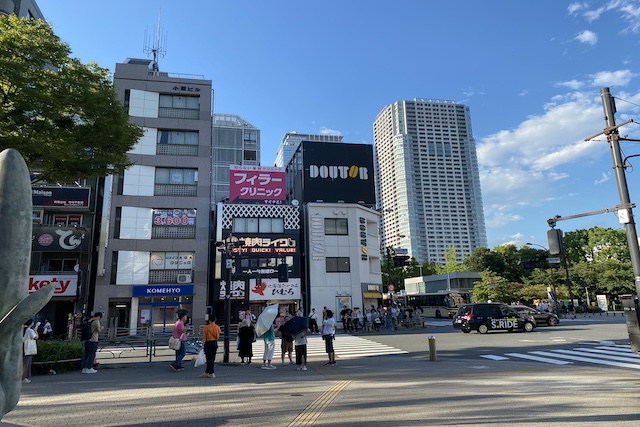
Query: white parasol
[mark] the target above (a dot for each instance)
(266, 318)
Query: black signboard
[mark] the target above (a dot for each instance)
(59, 239)
(338, 172)
(60, 197)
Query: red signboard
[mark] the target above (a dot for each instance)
(257, 184)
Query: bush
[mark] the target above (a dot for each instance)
(59, 355)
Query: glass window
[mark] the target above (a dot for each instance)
(265, 225)
(336, 226)
(252, 225)
(338, 265)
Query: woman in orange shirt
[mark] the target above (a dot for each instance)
(211, 334)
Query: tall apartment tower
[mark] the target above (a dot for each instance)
(235, 142)
(427, 179)
(158, 210)
(292, 141)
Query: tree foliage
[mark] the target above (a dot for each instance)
(62, 116)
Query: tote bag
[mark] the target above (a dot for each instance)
(174, 343)
(30, 347)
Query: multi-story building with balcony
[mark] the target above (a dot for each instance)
(427, 179)
(154, 258)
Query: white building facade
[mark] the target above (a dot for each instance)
(343, 256)
(427, 179)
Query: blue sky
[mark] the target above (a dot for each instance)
(531, 73)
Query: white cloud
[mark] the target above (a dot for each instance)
(524, 93)
(587, 37)
(571, 84)
(522, 167)
(605, 178)
(612, 78)
(327, 131)
(576, 7)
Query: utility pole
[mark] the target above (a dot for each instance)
(625, 215)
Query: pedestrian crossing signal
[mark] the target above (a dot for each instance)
(283, 273)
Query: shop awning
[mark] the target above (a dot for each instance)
(375, 295)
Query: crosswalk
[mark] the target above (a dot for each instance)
(345, 346)
(620, 356)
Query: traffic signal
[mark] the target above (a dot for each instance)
(400, 260)
(283, 273)
(554, 236)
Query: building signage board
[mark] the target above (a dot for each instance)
(174, 217)
(171, 261)
(272, 289)
(60, 197)
(238, 290)
(250, 245)
(66, 285)
(59, 239)
(257, 184)
(338, 172)
(162, 290)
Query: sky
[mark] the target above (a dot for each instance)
(530, 71)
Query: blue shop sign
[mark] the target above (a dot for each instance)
(162, 291)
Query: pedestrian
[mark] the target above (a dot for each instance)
(47, 331)
(299, 313)
(313, 321)
(345, 318)
(269, 339)
(211, 334)
(301, 350)
(246, 337)
(328, 335)
(324, 313)
(180, 332)
(572, 310)
(356, 318)
(91, 345)
(250, 316)
(30, 348)
(286, 346)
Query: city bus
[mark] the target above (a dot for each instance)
(438, 304)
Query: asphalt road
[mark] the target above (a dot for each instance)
(585, 376)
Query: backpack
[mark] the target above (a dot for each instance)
(85, 331)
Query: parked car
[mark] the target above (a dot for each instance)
(485, 317)
(542, 317)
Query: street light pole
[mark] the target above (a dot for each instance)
(226, 248)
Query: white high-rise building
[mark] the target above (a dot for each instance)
(292, 141)
(427, 179)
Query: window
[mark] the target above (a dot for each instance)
(173, 137)
(338, 265)
(176, 176)
(258, 225)
(250, 155)
(333, 226)
(185, 102)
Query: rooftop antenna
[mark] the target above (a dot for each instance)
(158, 46)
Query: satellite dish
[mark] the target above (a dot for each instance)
(294, 202)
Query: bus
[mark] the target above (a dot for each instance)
(438, 304)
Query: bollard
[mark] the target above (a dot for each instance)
(433, 355)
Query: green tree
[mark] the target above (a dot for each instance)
(452, 265)
(62, 116)
(494, 288)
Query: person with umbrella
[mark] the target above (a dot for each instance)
(301, 350)
(286, 346)
(269, 338)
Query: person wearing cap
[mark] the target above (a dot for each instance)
(91, 345)
(211, 334)
(180, 332)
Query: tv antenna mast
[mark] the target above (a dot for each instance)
(156, 46)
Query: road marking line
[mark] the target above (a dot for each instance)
(538, 359)
(584, 359)
(494, 357)
(612, 351)
(604, 356)
(311, 413)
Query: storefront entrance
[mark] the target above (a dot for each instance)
(160, 316)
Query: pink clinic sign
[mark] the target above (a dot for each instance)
(257, 184)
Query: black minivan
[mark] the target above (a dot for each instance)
(485, 317)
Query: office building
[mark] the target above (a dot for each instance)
(334, 184)
(155, 257)
(235, 142)
(21, 8)
(292, 141)
(427, 179)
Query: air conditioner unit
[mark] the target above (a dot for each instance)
(184, 278)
